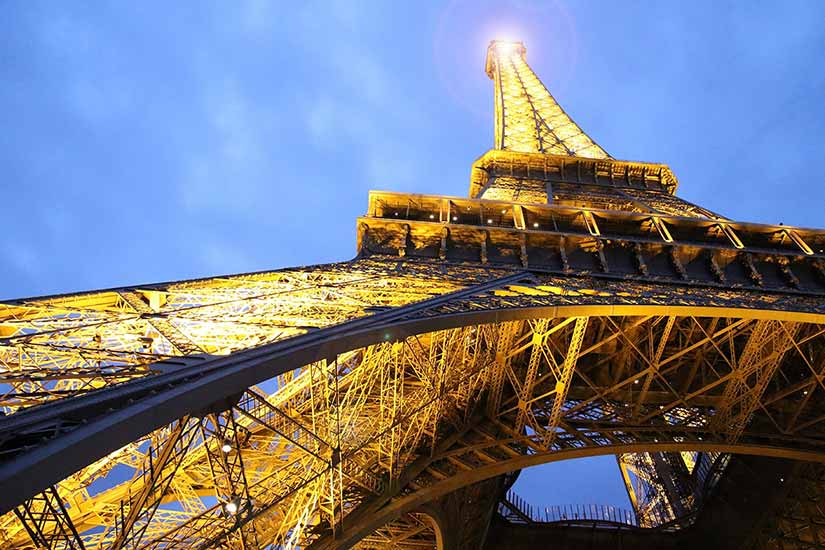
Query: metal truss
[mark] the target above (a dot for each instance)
(528, 118)
(612, 241)
(47, 522)
(411, 532)
(605, 407)
(60, 346)
(433, 412)
(799, 520)
(362, 403)
(157, 473)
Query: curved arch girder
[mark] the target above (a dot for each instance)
(373, 517)
(537, 368)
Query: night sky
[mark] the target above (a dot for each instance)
(152, 141)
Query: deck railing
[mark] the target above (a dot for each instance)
(515, 509)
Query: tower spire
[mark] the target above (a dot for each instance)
(528, 118)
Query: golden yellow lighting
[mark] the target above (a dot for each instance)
(374, 408)
(689, 458)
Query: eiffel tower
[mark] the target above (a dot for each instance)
(571, 306)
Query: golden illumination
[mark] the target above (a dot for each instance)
(514, 366)
(528, 118)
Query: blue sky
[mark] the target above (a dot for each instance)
(151, 141)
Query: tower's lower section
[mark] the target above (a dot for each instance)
(407, 393)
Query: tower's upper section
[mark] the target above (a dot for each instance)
(548, 198)
(541, 156)
(528, 118)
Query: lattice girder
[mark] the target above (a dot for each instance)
(57, 347)
(494, 446)
(527, 117)
(389, 435)
(573, 306)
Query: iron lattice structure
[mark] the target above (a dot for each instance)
(572, 306)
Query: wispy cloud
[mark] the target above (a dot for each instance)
(225, 172)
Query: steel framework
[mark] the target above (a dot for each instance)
(572, 306)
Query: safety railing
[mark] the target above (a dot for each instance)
(516, 510)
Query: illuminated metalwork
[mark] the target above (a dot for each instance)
(528, 118)
(573, 306)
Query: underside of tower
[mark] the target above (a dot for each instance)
(571, 306)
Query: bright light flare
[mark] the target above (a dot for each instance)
(506, 48)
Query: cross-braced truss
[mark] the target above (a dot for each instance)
(66, 345)
(528, 118)
(375, 430)
(331, 406)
